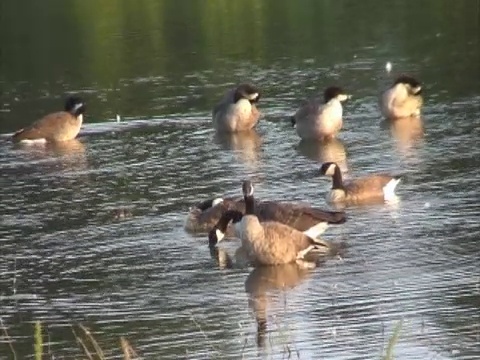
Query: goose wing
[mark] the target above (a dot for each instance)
(368, 185)
(299, 217)
(43, 128)
(311, 106)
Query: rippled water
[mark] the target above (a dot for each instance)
(65, 259)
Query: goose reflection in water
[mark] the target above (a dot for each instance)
(332, 150)
(407, 132)
(246, 145)
(70, 155)
(267, 285)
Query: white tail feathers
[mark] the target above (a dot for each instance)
(316, 230)
(389, 189)
(301, 254)
(217, 201)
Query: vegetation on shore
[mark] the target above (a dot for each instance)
(89, 348)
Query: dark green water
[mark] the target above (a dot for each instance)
(162, 65)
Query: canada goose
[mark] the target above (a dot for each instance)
(269, 242)
(59, 126)
(321, 118)
(266, 287)
(237, 111)
(369, 189)
(403, 99)
(203, 216)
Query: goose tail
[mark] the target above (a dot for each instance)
(389, 189)
(315, 231)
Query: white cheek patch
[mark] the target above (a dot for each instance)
(77, 106)
(253, 96)
(331, 170)
(220, 235)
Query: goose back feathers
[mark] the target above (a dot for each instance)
(402, 99)
(237, 110)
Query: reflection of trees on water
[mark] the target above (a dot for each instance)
(108, 52)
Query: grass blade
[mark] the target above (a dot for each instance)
(393, 341)
(82, 344)
(38, 340)
(98, 349)
(8, 339)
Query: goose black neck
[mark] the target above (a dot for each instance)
(229, 215)
(212, 238)
(249, 205)
(337, 178)
(222, 224)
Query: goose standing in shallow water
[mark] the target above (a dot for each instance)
(58, 126)
(321, 119)
(403, 99)
(237, 110)
(269, 242)
(369, 189)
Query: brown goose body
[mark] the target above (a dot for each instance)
(55, 127)
(373, 188)
(203, 217)
(403, 99)
(237, 110)
(321, 119)
(274, 243)
(59, 126)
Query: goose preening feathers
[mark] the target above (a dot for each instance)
(269, 242)
(55, 127)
